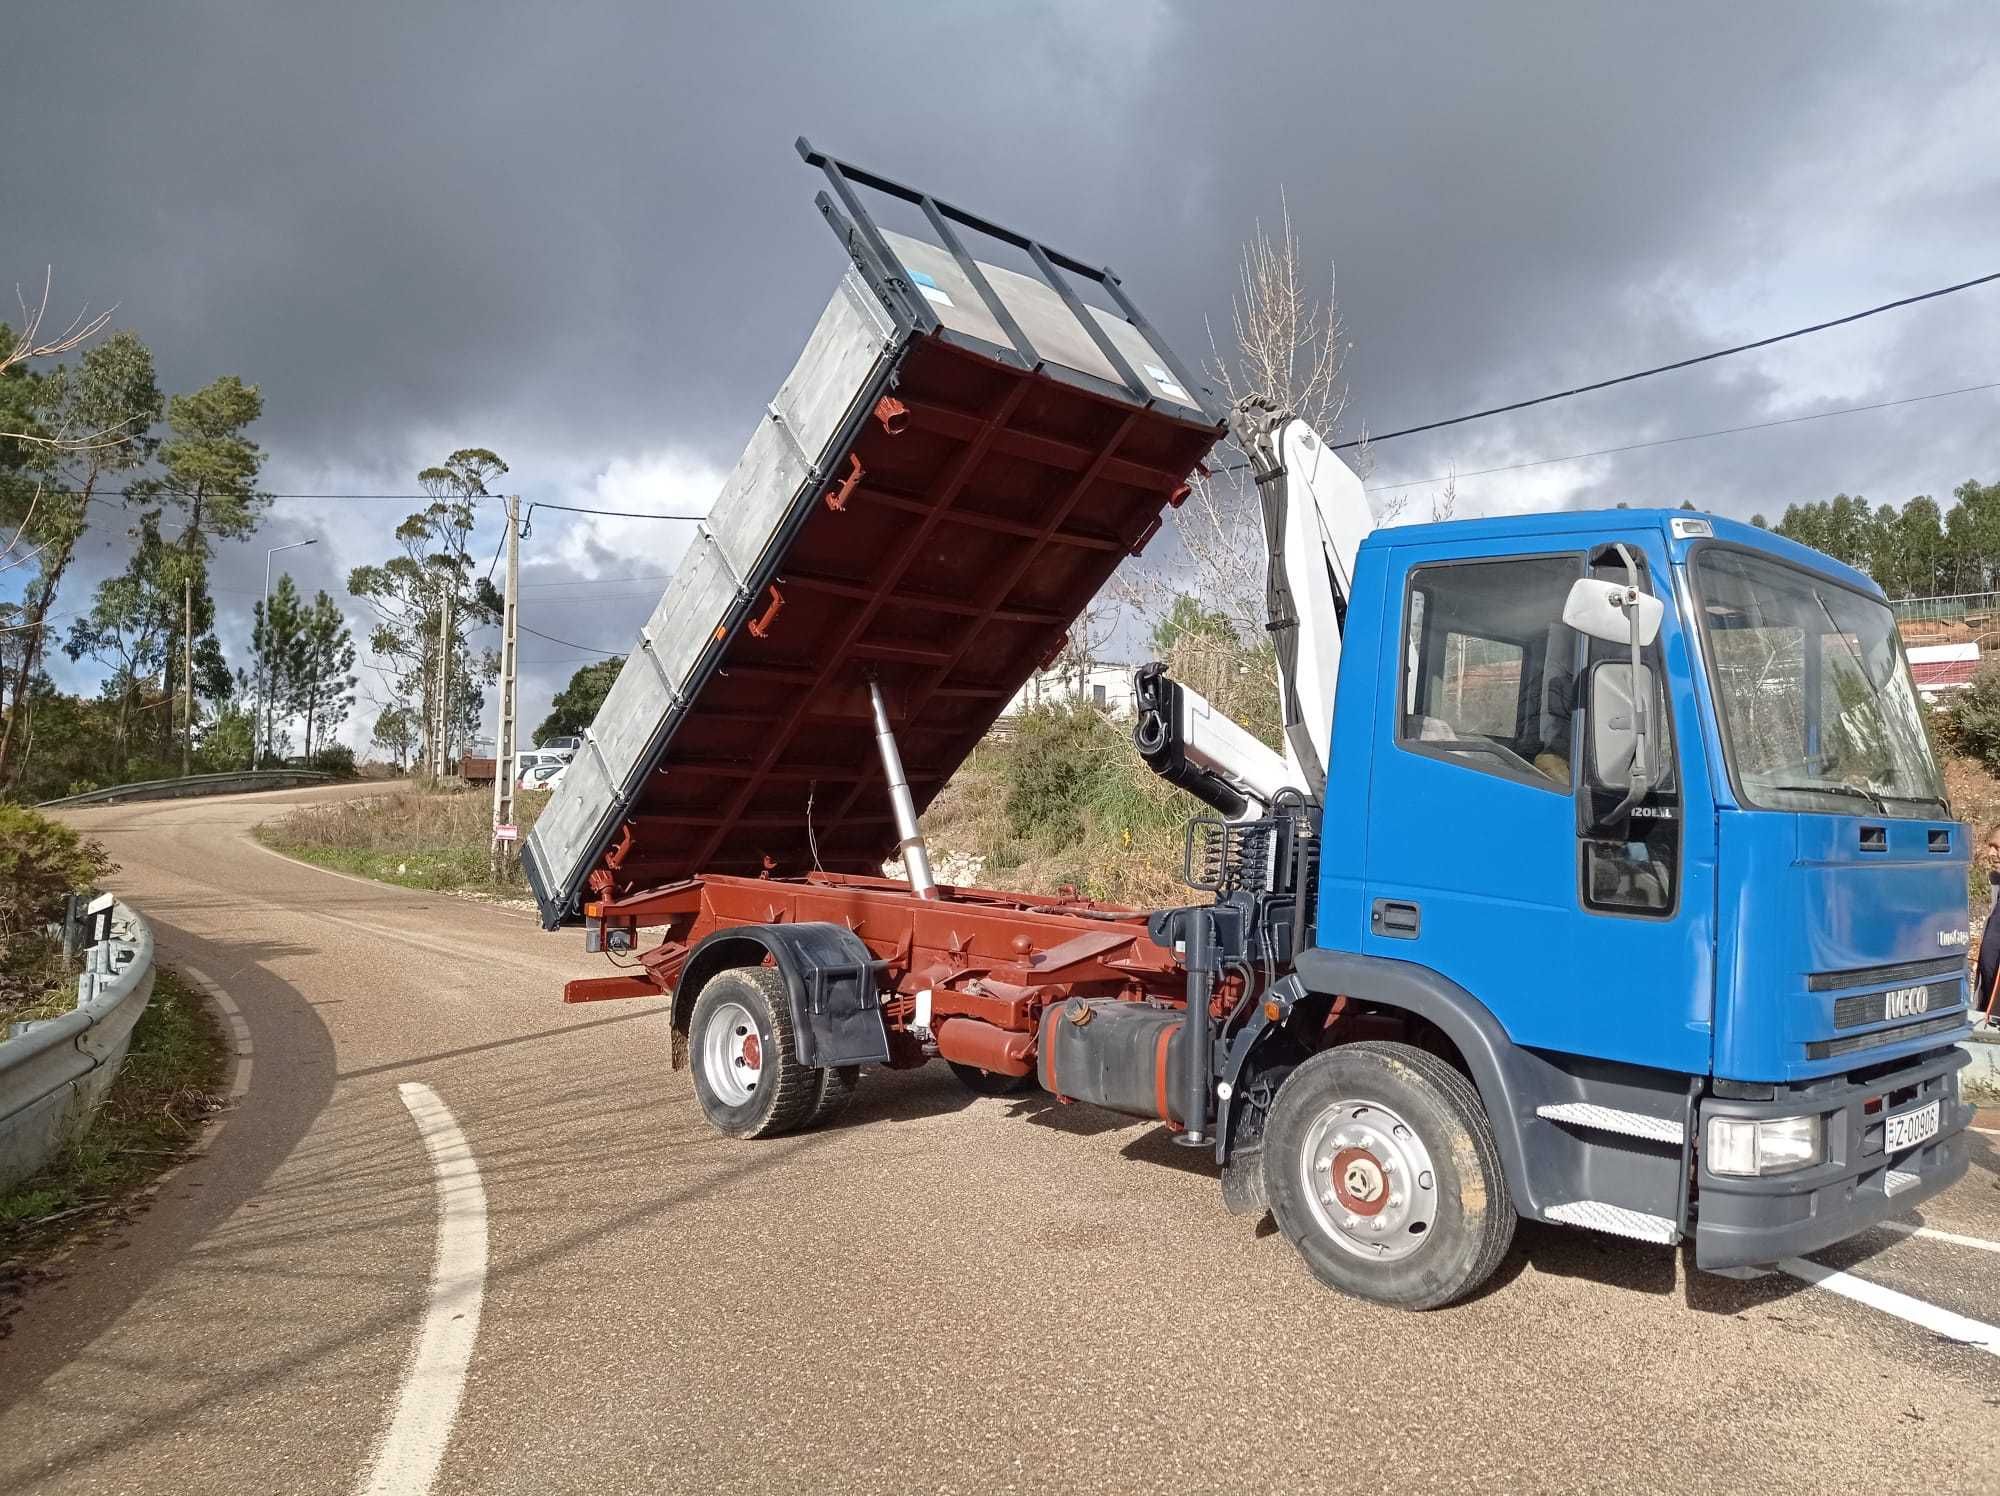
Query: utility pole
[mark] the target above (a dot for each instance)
(187, 677)
(505, 832)
(439, 755)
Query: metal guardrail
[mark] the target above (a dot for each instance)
(242, 782)
(53, 1073)
(1948, 609)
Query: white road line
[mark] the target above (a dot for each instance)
(1938, 1321)
(1991, 1132)
(1933, 1234)
(233, 1020)
(407, 1461)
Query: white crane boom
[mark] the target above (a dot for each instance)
(1315, 516)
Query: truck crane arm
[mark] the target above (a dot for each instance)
(1314, 516)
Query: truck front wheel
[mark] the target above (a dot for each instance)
(747, 1076)
(1382, 1171)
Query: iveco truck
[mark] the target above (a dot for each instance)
(1603, 875)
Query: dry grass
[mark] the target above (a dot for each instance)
(35, 980)
(432, 839)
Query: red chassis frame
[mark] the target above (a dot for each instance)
(992, 961)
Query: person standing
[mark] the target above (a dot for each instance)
(1983, 994)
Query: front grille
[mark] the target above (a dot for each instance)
(1826, 1049)
(1872, 1007)
(1869, 976)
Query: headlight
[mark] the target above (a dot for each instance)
(1778, 1145)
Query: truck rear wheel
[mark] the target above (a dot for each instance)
(745, 1057)
(1382, 1171)
(836, 1086)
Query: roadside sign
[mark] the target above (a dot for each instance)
(506, 833)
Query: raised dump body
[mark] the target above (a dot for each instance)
(955, 465)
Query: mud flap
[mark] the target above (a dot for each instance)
(835, 1006)
(830, 980)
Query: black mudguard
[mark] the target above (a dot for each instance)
(829, 975)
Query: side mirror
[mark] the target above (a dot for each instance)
(1607, 610)
(1615, 743)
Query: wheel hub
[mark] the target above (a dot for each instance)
(1358, 1181)
(732, 1054)
(1369, 1180)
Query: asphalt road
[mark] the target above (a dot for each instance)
(941, 1293)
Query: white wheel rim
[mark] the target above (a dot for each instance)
(732, 1053)
(1369, 1180)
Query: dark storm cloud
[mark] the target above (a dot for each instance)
(579, 234)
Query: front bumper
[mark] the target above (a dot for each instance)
(1750, 1222)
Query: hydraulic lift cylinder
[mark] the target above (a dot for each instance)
(1197, 1033)
(910, 841)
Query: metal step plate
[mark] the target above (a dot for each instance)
(1614, 1219)
(1615, 1119)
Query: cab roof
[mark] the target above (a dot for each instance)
(1563, 524)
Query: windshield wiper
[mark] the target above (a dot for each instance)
(1938, 800)
(1854, 791)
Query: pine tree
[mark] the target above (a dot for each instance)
(207, 491)
(324, 688)
(277, 642)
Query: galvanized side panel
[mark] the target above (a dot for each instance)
(846, 364)
(1056, 335)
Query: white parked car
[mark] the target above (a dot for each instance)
(543, 776)
(526, 762)
(564, 748)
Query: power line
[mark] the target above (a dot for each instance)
(593, 582)
(1685, 363)
(692, 519)
(569, 643)
(1692, 436)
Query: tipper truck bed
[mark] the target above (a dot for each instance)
(959, 459)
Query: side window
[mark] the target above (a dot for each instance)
(1490, 667)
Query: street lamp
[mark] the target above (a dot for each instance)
(263, 707)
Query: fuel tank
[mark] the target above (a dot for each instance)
(1122, 1056)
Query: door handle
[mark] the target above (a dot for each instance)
(1397, 918)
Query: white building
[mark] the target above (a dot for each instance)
(1107, 687)
(1940, 669)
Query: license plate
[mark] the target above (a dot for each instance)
(1907, 1129)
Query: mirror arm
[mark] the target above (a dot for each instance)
(1641, 769)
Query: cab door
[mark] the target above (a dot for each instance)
(1489, 858)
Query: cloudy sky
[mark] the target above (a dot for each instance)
(579, 234)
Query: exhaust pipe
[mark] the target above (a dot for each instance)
(916, 857)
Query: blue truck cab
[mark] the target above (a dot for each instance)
(1695, 929)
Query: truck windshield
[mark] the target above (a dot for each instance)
(1817, 708)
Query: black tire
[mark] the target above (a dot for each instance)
(991, 1082)
(836, 1088)
(1448, 1255)
(784, 1092)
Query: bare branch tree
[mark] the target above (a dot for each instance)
(1290, 347)
(30, 342)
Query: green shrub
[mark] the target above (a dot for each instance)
(1972, 726)
(336, 759)
(1057, 762)
(41, 861)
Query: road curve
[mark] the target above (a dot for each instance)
(942, 1293)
